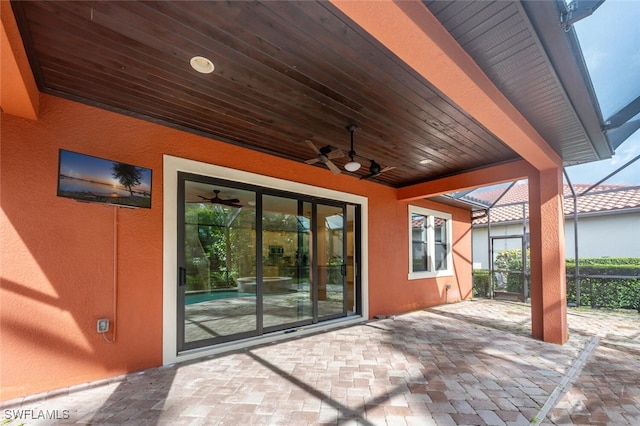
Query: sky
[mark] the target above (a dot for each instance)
(610, 43)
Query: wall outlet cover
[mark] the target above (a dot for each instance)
(103, 325)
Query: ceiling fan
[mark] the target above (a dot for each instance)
(231, 202)
(325, 155)
(375, 169)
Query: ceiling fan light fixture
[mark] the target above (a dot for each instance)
(202, 64)
(352, 166)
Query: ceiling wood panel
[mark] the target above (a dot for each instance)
(285, 72)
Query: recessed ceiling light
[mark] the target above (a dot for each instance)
(202, 64)
(426, 161)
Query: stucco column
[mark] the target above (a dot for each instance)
(548, 276)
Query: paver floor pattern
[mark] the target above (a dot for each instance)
(470, 363)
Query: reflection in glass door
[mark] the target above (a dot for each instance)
(286, 279)
(352, 259)
(331, 260)
(217, 298)
(253, 261)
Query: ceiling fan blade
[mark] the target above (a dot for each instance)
(332, 167)
(315, 149)
(325, 154)
(312, 146)
(336, 153)
(221, 202)
(232, 202)
(370, 175)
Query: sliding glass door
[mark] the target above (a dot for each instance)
(253, 261)
(216, 250)
(331, 261)
(287, 299)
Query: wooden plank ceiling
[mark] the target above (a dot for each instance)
(284, 72)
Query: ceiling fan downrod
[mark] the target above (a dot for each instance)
(352, 165)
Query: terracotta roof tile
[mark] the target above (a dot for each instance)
(601, 199)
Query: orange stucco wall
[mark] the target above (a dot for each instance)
(18, 90)
(390, 291)
(57, 255)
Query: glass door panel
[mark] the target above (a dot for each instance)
(253, 261)
(331, 260)
(351, 257)
(286, 273)
(217, 277)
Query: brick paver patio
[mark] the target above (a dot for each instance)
(470, 363)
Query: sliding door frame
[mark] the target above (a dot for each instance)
(171, 166)
(315, 276)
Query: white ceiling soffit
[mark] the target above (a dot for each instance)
(539, 67)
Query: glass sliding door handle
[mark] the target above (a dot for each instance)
(182, 276)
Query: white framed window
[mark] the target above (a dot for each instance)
(429, 243)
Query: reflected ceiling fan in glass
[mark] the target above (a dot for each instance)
(231, 202)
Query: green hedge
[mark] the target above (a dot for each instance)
(606, 266)
(598, 290)
(481, 283)
(511, 261)
(605, 290)
(606, 261)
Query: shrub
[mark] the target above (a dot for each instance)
(601, 285)
(606, 261)
(510, 263)
(481, 283)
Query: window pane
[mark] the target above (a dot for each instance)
(441, 243)
(286, 251)
(219, 249)
(351, 260)
(330, 238)
(430, 244)
(420, 246)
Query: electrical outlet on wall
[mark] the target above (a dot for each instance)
(103, 325)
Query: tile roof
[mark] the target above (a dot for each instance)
(602, 199)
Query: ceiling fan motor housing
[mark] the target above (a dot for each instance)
(324, 153)
(374, 168)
